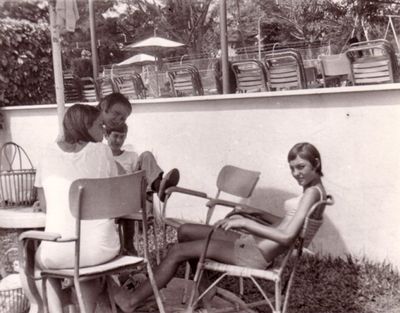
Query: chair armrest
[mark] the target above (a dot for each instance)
(234, 205)
(241, 207)
(39, 235)
(186, 191)
(44, 236)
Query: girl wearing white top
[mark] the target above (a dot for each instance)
(79, 155)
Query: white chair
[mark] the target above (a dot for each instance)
(100, 198)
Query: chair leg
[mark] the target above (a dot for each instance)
(79, 296)
(241, 286)
(156, 246)
(287, 293)
(136, 235)
(110, 295)
(155, 288)
(185, 289)
(278, 297)
(44, 295)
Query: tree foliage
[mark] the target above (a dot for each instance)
(26, 72)
(26, 63)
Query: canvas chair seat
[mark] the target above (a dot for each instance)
(115, 265)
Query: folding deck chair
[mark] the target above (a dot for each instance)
(376, 64)
(95, 198)
(72, 90)
(105, 86)
(128, 82)
(185, 81)
(231, 180)
(250, 76)
(273, 274)
(285, 70)
(89, 89)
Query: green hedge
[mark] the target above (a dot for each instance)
(26, 70)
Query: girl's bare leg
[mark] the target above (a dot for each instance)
(91, 291)
(220, 250)
(192, 232)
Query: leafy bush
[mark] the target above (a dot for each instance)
(26, 70)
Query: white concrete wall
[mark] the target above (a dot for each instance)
(356, 129)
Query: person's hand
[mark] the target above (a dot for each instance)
(230, 223)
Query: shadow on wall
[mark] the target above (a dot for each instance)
(327, 241)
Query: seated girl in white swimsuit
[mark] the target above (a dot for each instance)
(262, 242)
(80, 154)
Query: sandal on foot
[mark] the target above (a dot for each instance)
(121, 298)
(171, 179)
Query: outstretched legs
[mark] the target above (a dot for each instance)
(221, 248)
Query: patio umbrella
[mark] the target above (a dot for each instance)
(155, 46)
(140, 59)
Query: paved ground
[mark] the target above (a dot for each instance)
(172, 296)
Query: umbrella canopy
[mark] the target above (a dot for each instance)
(154, 44)
(140, 58)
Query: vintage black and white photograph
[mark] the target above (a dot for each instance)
(199, 156)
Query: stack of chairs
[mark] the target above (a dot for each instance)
(141, 90)
(285, 70)
(185, 81)
(250, 76)
(128, 82)
(72, 90)
(89, 89)
(373, 62)
(105, 86)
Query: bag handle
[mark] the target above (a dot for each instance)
(10, 159)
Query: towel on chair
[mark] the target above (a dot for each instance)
(67, 14)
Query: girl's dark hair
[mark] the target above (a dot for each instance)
(307, 152)
(77, 121)
(108, 101)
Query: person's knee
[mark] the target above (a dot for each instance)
(184, 232)
(147, 155)
(175, 253)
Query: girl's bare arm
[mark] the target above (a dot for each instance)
(284, 236)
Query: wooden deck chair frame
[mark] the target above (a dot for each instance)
(96, 198)
(285, 70)
(231, 180)
(274, 274)
(185, 79)
(250, 76)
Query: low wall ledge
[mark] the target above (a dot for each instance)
(255, 95)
